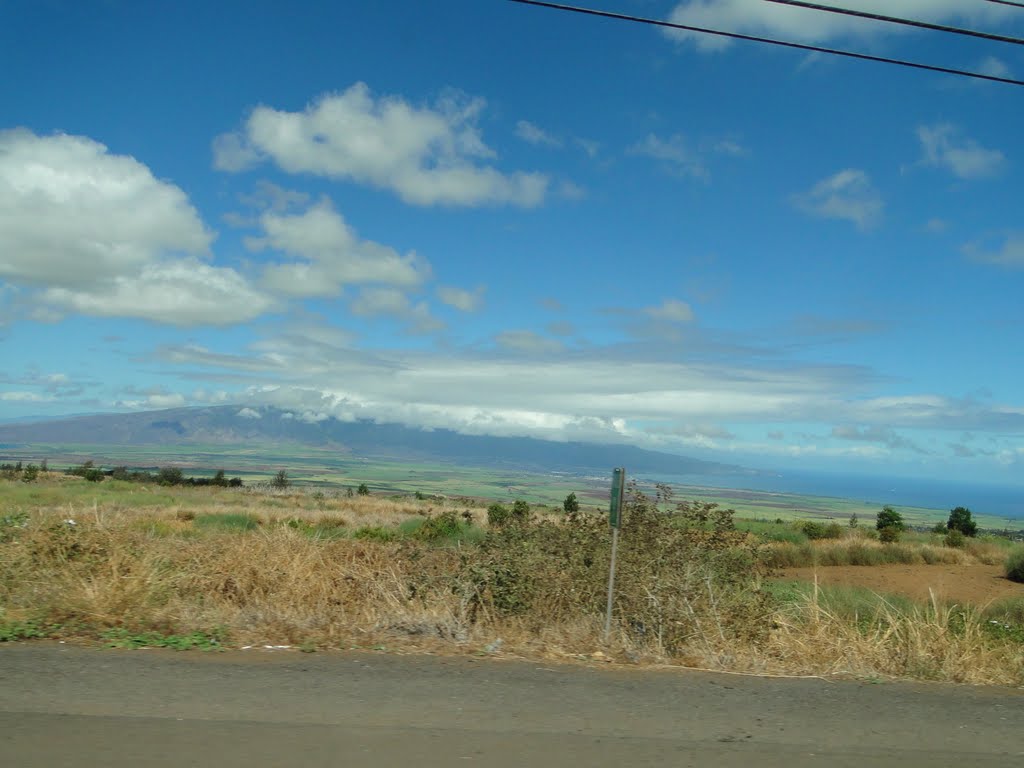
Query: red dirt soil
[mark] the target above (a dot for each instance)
(974, 584)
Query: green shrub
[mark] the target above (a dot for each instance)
(955, 538)
(443, 526)
(571, 505)
(520, 511)
(674, 581)
(363, 489)
(1015, 566)
(280, 480)
(890, 518)
(497, 515)
(889, 534)
(375, 533)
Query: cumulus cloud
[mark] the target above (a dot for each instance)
(96, 233)
(330, 254)
(427, 155)
(249, 413)
(848, 195)
(185, 292)
(460, 299)
(944, 147)
(755, 17)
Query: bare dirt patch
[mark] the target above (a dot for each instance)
(974, 584)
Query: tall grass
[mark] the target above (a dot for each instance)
(689, 596)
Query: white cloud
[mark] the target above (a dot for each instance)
(755, 17)
(24, 397)
(430, 155)
(847, 195)
(526, 385)
(391, 302)
(249, 413)
(185, 292)
(96, 233)
(461, 299)
(532, 134)
(1007, 252)
(71, 213)
(671, 310)
(332, 255)
(966, 159)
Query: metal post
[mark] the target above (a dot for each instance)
(615, 520)
(611, 586)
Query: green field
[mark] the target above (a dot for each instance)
(331, 469)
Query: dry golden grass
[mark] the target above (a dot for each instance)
(156, 570)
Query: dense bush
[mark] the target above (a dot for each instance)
(889, 534)
(675, 582)
(814, 529)
(955, 539)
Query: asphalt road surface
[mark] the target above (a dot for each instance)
(67, 706)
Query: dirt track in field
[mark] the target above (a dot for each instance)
(974, 584)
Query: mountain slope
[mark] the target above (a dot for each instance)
(230, 425)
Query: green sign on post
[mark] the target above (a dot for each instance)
(615, 518)
(618, 490)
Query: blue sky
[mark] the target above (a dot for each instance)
(507, 220)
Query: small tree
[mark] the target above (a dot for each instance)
(363, 489)
(497, 515)
(45, 466)
(30, 474)
(280, 479)
(219, 479)
(520, 511)
(960, 520)
(170, 476)
(571, 505)
(890, 518)
(854, 520)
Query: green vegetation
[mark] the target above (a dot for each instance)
(227, 522)
(203, 641)
(960, 519)
(280, 480)
(1015, 565)
(571, 504)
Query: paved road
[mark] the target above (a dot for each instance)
(67, 706)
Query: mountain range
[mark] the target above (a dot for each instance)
(240, 426)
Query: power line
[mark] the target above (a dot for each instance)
(1006, 2)
(770, 41)
(897, 20)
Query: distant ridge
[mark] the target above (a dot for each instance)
(238, 425)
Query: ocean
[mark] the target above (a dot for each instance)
(980, 498)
